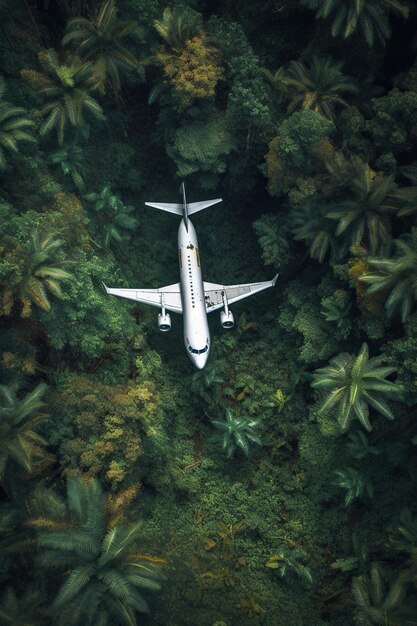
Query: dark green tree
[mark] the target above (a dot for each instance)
(319, 85)
(111, 215)
(235, 432)
(94, 555)
(364, 217)
(14, 125)
(204, 381)
(354, 384)
(396, 276)
(66, 91)
(42, 272)
(20, 418)
(378, 604)
(371, 17)
(355, 485)
(178, 24)
(98, 42)
(70, 160)
(24, 609)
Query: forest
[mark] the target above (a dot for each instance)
(276, 486)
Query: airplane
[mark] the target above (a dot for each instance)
(192, 296)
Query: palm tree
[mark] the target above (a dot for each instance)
(65, 88)
(371, 17)
(177, 26)
(353, 384)
(396, 276)
(100, 571)
(310, 224)
(203, 381)
(112, 215)
(278, 82)
(98, 41)
(22, 610)
(403, 536)
(364, 218)
(19, 419)
(13, 126)
(319, 85)
(378, 605)
(70, 159)
(42, 271)
(354, 483)
(235, 432)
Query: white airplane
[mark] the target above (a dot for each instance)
(192, 296)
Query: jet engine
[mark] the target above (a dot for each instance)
(164, 322)
(226, 319)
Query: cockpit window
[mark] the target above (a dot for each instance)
(194, 351)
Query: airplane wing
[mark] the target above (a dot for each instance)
(214, 292)
(170, 294)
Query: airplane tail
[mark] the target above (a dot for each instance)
(183, 209)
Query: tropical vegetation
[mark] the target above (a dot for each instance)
(277, 484)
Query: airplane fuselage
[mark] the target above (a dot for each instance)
(196, 330)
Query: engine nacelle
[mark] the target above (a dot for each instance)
(226, 319)
(164, 322)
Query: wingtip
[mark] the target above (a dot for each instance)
(274, 280)
(105, 288)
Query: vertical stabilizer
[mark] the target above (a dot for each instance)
(184, 203)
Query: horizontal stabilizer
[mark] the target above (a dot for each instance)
(194, 207)
(166, 206)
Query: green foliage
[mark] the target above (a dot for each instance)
(97, 41)
(319, 86)
(86, 320)
(178, 25)
(358, 560)
(247, 94)
(354, 384)
(370, 17)
(364, 218)
(358, 446)
(301, 315)
(376, 603)
(235, 432)
(104, 574)
(65, 89)
(22, 609)
(299, 135)
(391, 125)
(297, 151)
(42, 272)
(203, 147)
(19, 421)
(403, 535)
(204, 381)
(310, 224)
(288, 562)
(337, 308)
(70, 160)
(273, 238)
(396, 276)
(354, 483)
(14, 125)
(106, 425)
(112, 215)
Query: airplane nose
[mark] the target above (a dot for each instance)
(200, 361)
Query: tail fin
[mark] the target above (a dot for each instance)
(183, 209)
(194, 207)
(184, 205)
